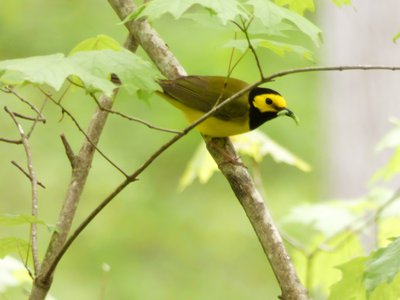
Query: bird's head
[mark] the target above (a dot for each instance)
(267, 104)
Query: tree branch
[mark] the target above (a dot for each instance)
(80, 171)
(31, 174)
(237, 175)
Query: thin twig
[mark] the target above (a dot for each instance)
(244, 28)
(230, 68)
(64, 110)
(17, 142)
(37, 118)
(34, 184)
(238, 61)
(130, 118)
(329, 68)
(26, 173)
(33, 107)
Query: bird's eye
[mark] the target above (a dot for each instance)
(268, 101)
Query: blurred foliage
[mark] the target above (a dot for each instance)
(160, 244)
(390, 141)
(374, 277)
(254, 144)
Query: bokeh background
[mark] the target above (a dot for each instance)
(197, 244)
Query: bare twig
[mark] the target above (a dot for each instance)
(17, 142)
(26, 173)
(244, 27)
(329, 68)
(9, 90)
(34, 183)
(39, 116)
(64, 110)
(21, 116)
(130, 118)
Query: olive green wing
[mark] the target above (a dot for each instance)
(202, 93)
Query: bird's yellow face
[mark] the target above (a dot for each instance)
(269, 102)
(265, 105)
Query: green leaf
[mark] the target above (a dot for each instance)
(96, 66)
(99, 42)
(387, 291)
(50, 69)
(271, 14)
(351, 286)
(396, 37)
(382, 266)
(225, 10)
(278, 48)
(92, 67)
(13, 220)
(323, 271)
(254, 144)
(299, 6)
(13, 245)
(374, 277)
(340, 3)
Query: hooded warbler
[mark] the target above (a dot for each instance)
(196, 95)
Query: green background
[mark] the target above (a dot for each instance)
(159, 243)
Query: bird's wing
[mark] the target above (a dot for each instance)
(198, 93)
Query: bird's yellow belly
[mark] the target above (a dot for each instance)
(212, 126)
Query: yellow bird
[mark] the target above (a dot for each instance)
(196, 95)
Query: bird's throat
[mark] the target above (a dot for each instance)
(257, 118)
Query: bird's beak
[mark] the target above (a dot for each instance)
(289, 113)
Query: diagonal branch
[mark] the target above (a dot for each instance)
(93, 144)
(26, 173)
(40, 117)
(134, 119)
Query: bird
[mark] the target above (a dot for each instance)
(196, 95)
